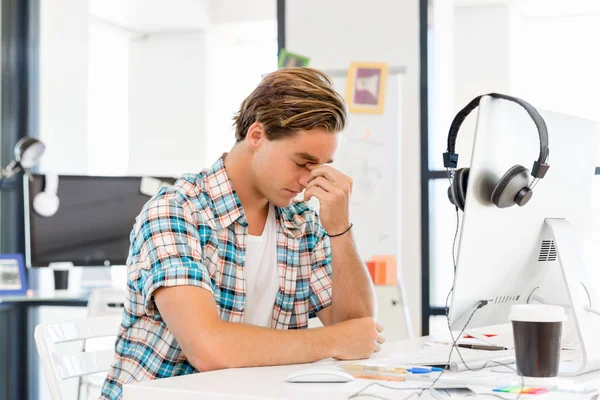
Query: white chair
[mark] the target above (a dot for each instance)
(102, 302)
(57, 365)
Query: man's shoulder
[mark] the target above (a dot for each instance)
(189, 192)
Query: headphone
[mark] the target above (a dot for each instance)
(514, 186)
(46, 202)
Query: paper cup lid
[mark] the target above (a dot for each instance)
(61, 266)
(537, 313)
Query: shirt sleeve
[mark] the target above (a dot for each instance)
(167, 249)
(320, 277)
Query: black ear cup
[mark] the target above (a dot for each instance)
(457, 192)
(512, 188)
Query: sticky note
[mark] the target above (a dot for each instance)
(537, 391)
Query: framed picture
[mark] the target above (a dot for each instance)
(13, 276)
(290, 60)
(366, 87)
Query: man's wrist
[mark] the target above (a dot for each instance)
(339, 230)
(328, 338)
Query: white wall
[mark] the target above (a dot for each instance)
(224, 11)
(556, 63)
(333, 33)
(63, 85)
(482, 62)
(237, 55)
(166, 104)
(108, 109)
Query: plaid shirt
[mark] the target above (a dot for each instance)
(194, 233)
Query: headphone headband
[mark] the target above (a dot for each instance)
(539, 167)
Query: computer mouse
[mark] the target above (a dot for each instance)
(316, 375)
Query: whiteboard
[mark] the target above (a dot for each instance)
(370, 154)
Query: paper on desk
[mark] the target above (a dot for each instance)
(438, 355)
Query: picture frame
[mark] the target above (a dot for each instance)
(366, 87)
(13, 275)
(290, 60)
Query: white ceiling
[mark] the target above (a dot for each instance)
(152, 15)
(147, 16)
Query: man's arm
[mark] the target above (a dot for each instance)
(352, 291)
(208, 343)
(353, 295)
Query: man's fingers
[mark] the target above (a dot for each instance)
(314, 191)
(323, 183)
(323, 171)
(377, 348)
(329, 172)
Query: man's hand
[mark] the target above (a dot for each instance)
(333, 190)
(357, 338)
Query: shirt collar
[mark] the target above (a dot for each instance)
(226, 203)
(227, 206)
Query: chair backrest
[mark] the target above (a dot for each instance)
(58, 366)
(104, 302)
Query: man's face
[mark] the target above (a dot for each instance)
(279, 167)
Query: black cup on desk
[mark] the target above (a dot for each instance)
(537, 330)
(61, 274)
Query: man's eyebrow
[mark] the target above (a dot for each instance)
(311, 158)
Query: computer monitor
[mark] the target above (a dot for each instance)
(92, 224)
(527, 254)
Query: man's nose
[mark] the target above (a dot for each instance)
(304, 179)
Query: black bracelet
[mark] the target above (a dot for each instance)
(340, 234)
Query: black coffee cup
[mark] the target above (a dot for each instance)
(537, 330)
(61, 274)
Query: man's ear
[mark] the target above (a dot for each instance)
(256, 135)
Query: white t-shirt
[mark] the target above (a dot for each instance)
(261, 274)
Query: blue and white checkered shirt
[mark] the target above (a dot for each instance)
(194, 233)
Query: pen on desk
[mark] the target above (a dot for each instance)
(424, 370)
(481, 347)
(369, 368)
(380, 377)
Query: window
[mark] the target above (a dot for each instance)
(541, 52)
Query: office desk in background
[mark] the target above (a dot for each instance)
(19, 372)
(268, 383)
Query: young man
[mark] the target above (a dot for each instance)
(225, 268)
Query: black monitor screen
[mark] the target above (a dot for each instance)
(93, 222)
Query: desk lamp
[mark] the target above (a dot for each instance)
(28, 152)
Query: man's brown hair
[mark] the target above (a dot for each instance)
(289, 100)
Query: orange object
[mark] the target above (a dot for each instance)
(380, 268)
(485, 334)
(380, 377)
(390, 268)
(371, 268)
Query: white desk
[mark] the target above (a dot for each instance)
(268, 383)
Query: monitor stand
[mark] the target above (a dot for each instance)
(580, 295)
(95, 278)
